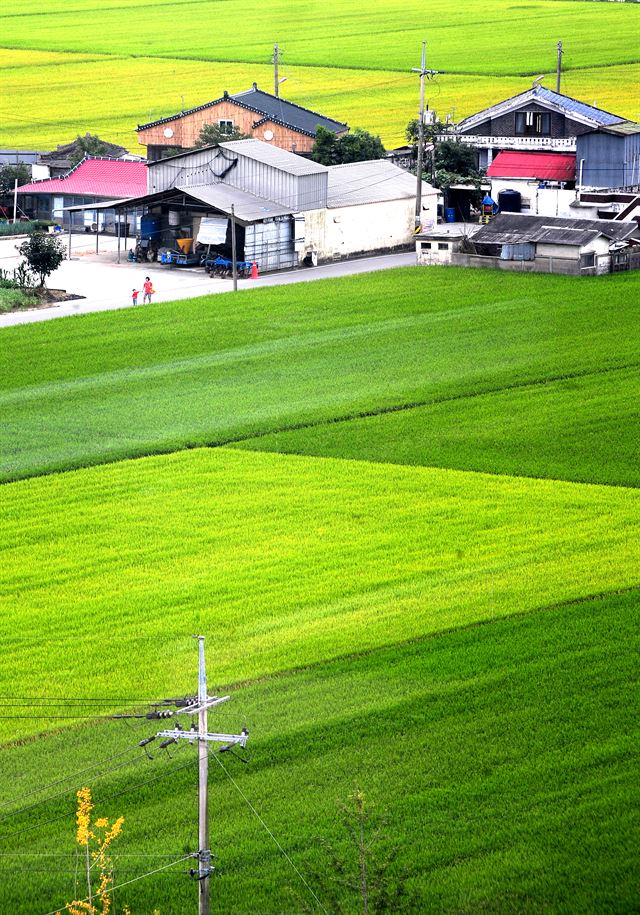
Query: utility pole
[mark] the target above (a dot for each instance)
(276, 81)
(422, 70)
(559, 66)
(15, 201)
(204, 852)
(201, 705)
(234, 259)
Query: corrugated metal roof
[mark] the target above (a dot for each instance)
(588, 114)
(373, 181)
(540, 165)
(247, 207)
(95, 178)
(514, 228)
(573, 237)
(272, 155)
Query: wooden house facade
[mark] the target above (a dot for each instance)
(255, 113)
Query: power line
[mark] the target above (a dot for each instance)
(67, 777)
(116, 700)
(53, 797)
(108, 797)
(262, 822)
(133, 880)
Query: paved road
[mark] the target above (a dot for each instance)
(106, 285)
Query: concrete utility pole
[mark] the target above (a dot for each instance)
(422, 70)
(234, 259)
(559, 66)
(202, 735)
(276, 81)
(15, 201)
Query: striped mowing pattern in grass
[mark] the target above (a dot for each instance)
(501, 761)
(288, 560)
(108, 52)
(212, 370)
(463, 38)
(585, 428)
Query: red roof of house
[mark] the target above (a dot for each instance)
(539, 165)
(96, 178)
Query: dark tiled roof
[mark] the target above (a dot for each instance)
(267, 106)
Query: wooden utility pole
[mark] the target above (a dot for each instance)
(559, 66)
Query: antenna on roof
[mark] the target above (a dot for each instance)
(538, 80)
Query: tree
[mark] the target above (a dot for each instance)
(8, 175)
(43, 253)
(214, 134)
(430, 131)
(95, 837)
(324, 148)
(361, 880)
(359, 146)
(89, 145)
(456, 157)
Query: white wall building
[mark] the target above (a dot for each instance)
(370, 207)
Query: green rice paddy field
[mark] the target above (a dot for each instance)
(105, 68)
(404, 510)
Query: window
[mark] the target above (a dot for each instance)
(426, 246)
(588, 259)
(226, 126)
(533, 124)
(443, 246)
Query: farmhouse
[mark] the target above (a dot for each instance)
(542, 244)
(534, 182)
(286, 209)
(92, 181)
(536, 120)
(254, 112)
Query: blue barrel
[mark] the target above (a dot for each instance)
(450, 214)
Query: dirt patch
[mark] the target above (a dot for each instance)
(47, 297)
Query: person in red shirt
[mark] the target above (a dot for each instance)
(148, 290)
(134, 296)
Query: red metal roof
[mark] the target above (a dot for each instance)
(96, 178)
(540, 165)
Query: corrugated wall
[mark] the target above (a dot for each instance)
(270, 244)
(610, 161)
(300, 192)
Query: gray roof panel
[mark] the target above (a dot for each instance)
(374, 181)
(513, 228)
(272, 155)
(247, 207)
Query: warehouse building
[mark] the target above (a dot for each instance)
(287, 210)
